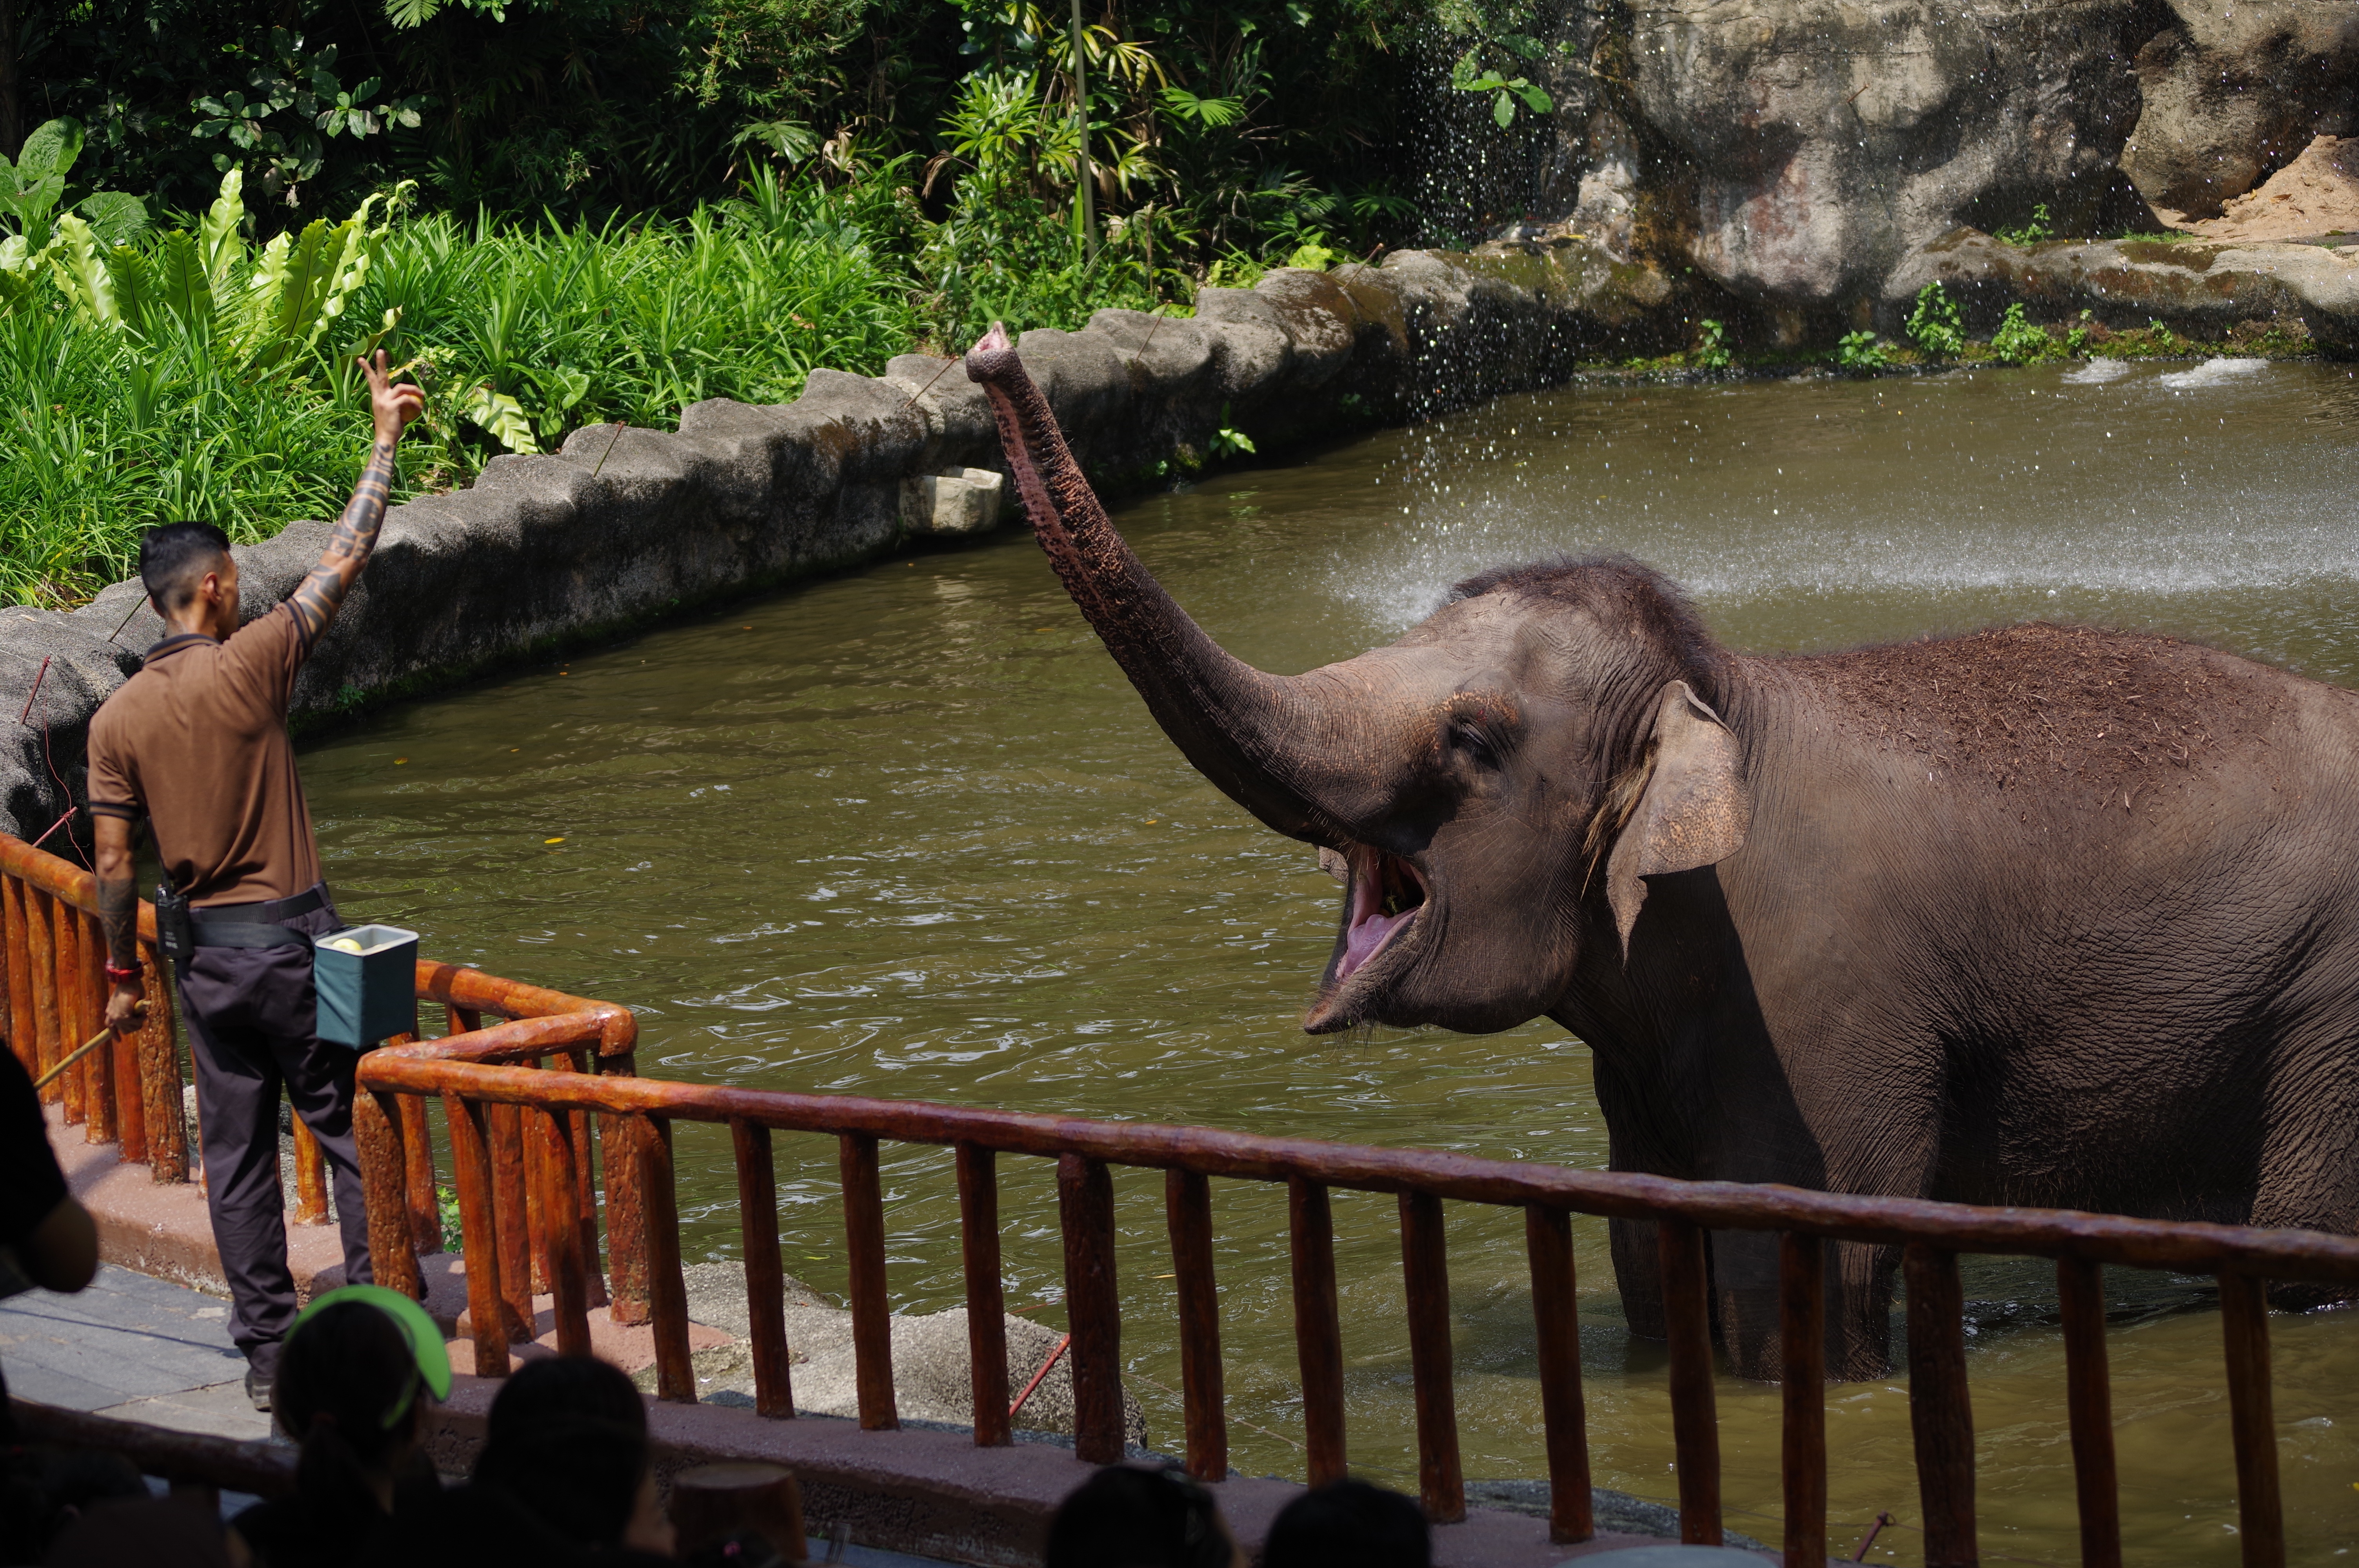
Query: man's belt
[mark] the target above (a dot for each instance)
(253, 925)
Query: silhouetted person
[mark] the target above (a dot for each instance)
(1349, 1524)
(1124, 1516)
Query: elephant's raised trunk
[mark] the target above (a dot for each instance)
(1263, 739)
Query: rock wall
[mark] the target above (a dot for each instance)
(1797, 153)
(625, 527)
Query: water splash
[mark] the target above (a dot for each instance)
(2212, 373)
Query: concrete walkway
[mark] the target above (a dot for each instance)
(133, 1348)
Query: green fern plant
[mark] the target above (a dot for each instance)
(2019, 343)
(1935, 326)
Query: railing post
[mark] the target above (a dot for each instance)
(766, 1282)
(65, 949)
(667, 1290)
(627, 1218)
(1318, 1332)
(2245, 1325)
(568, 1289)
(1695, 1430)
(1092, 1306)
(1548, 1244)
(1188, 1209)
(987, 1301)
(376, 1138)
(538, 1268)
(1803, 1374)
(470, 1173)
(584, 1200)
(871, 1322)
(24, 1034)
(310, 1177)
(1425, 1270)
(130, 1114)
(41, 952)
(503, 1126)
(1939, 1411)
(160, 1074)
(419, 1200)
(2080, 1292)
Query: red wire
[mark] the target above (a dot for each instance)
(1037, 1375)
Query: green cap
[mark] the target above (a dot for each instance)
(425, 1338)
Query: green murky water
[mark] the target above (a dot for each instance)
(908, 832)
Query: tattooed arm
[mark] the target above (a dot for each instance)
(118, 915)
(322, 593)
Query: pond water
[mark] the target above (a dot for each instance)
(908, 832)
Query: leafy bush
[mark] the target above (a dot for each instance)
(1861, 352)
(2031, 232)
(196, 376)
(1711, 351)
(1935, 326)
(2019, 343)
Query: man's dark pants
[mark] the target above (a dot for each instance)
(249, 1014)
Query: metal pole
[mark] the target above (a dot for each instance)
(1082, 112)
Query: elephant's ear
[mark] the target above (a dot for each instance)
(1693, 810)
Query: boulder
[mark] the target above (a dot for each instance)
(1800, 149)
(2233, 89)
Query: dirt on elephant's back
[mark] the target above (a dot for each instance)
(2113, 711)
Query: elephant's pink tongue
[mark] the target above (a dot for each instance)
(1367, 934)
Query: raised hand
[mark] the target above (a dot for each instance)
(392, 406)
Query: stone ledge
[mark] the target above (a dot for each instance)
(626, 527)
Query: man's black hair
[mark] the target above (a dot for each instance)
(175, 558)
(1349, 1524)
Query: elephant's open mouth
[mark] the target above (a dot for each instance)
(1387, 893)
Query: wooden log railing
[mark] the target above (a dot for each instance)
(542, 1109)
(53, 966)
(471, 1075)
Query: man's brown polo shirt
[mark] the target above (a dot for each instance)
(196, 743)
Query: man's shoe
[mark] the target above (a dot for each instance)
(257, 1388)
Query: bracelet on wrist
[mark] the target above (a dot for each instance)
(119, 976)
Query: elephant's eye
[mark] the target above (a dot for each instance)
(1477, 746)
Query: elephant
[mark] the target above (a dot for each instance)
(2040, 916)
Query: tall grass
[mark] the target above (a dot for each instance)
(519, 335)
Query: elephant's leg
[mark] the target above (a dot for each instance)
(1857, 1283)
(1859, 1310)
(2309, 1161)
(1638, 1272)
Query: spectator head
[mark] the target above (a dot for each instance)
(563, 1388)
(1349, 1524)
(1128, 1518)
(353, 1381)
(174, 560)
(589, 1481)
(567, 1437)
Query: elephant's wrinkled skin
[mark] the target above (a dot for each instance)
(2040, 917)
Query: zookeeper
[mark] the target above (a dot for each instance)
(196, 743)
